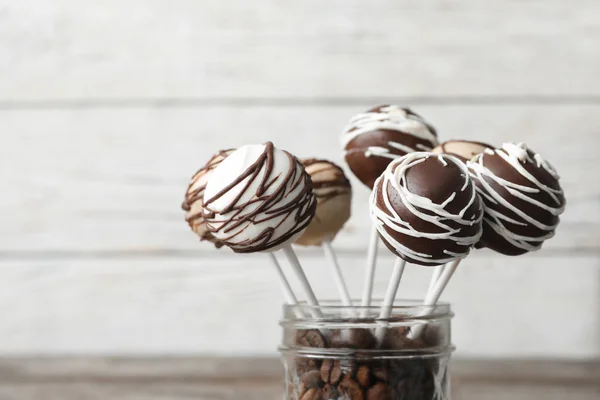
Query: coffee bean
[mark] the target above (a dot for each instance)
(329, 392)
(336, 372)
(363, 376)
(351, 389)
(312, 379)
(326, 366)
(312, 338)
(380, 391)
(312, 394)
(381, 373)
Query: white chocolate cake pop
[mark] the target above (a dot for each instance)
(334, 197)
(192, 203)
(464, 150)
(426, 208)
(522, 198)
(374, 138)
(258, 199)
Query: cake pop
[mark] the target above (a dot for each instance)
(462, 149)
(192, 203)
(334, 195)
(426, 208)
(373, 139)
(521, 195)
(258, 199)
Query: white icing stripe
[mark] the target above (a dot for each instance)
(394, 179)
(393, 118)
(516, 155)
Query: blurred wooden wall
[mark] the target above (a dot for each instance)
(107, 108)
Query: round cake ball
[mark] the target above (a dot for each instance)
(462, 149)
(373, 139)
(426, 208)
(334, 196)
(521, 195)
(258, 199)
(192, 203)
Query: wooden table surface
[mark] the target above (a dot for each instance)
(251, 378)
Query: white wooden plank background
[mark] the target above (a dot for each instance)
(106, 108)
(160, 49)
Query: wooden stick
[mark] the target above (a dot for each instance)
(308, 291)
(370, 270)
(390, 296)
(338, 277)
(433, 296)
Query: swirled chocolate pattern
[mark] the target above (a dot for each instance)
(259, 198)
(374, 138)
(522, 198)
(334, 196)
(192, 203)
(426, 208)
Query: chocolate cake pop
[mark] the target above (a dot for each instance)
(258, 199)
(462, 149)
(334, 195)
(373, 139)
(521, 195)
(426, 208)
(192, 203)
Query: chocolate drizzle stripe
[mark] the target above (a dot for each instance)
(270, 205)
(436, 214)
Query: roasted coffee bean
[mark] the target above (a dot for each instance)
(312, 394)
(336, 372)
(312, 379)
(326, 366)
(380, 391)
(329, 392)
(381, 373)
(350, 388)
(363, 376)
(304, 364)
(359, 339)
(312, 338)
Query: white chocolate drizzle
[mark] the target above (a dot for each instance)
(392, 118)
(394, 178)
(517, 156)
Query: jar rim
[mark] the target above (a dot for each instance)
(333, 311)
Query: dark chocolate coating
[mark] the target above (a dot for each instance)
(368, 167)
(437, 182)
(499, 233)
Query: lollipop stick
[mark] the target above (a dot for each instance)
(337, 274)
(288, 293)
(437, 271)
(310, 295)
(434, 295)
(390, 296)
(370, 270)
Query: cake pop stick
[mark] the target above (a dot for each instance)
(371, 141)
(434, 295)
(193, 207)
(260, 199)
(437, 271)
(334, 196)
(390, 296)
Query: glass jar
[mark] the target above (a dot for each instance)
(340, 352)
